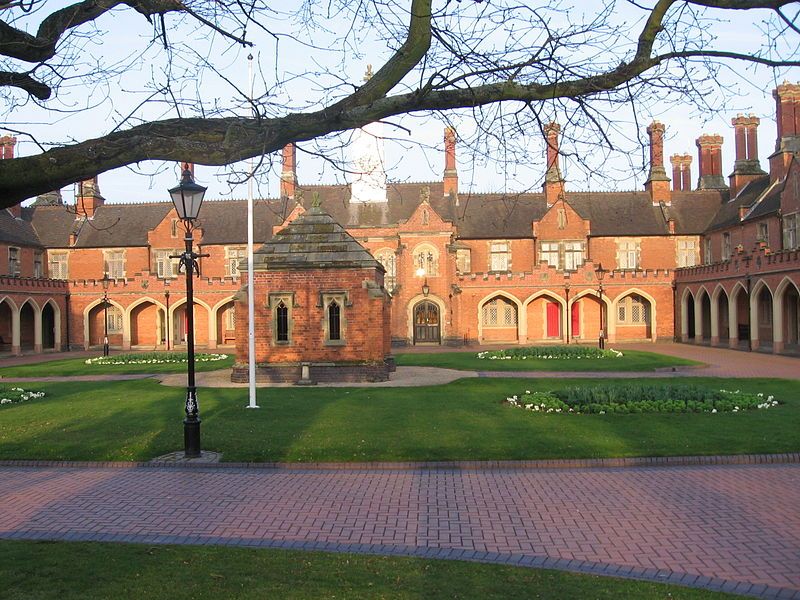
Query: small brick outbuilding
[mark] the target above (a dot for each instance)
(321, 311)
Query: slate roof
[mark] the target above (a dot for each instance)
(728, 213)
(17, 231)
(313, 240)
(769, 204)
(476, 216)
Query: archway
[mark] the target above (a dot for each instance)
(740, 315)
(144, 325)
(787, 316)
(705, 315)
(179, 323)
(761, 316)
(545, 317)
(633, 316)
(226, 323)
(687, 316)
(49, 333)
(499, 319)
(7, 310)
(427, 323)
(723, 315)
(27, 326)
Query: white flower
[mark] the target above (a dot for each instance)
(713, 410)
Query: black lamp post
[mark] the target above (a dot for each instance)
(600, 272)
(105, 281)
(187, 197)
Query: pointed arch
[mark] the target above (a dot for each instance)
(9, 324)
(216, 328)
(416, 300)
(202, 326)
(132, 328)
(87, 312)
(56, 329)
(30, 330)
(588, 320)
(520, 330)
(785, 309)
(651, 317)
(547, 321)
(761, 313)
(687, 315)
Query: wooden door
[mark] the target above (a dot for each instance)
(553, 320)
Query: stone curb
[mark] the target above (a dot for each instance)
(476, 465)
(517, 560)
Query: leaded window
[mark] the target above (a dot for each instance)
(633, 310)
(388, 259)
(114, 266)
(166, 267)
(499, 312)
(57, 265)
(282, 322)
(726, 246)
(234, 257)
(463, 260)
(687, 250)
(114, 319)
(500, 256)
(13, 261)
(628, 254)
(790, 226)
(334, 321)
(37, 264)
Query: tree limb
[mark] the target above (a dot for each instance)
(23, 81)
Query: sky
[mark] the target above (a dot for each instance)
(405, 162)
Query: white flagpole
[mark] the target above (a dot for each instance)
(251, 326)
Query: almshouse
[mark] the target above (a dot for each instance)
(716, 264)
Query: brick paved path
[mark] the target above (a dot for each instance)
(735, 528)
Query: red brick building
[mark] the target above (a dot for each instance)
(716, 264)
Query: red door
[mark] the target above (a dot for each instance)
(553, 322)
(576, 321)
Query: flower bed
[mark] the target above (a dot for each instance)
(152, 358)
(16, 395)
(549, 353)
(639, 398)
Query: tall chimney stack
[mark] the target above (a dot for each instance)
(289, 171)
(787, 115)
(681, 172)
(746, 168)
(88, 198)
(657, 183)
(710, 162)
(450, 172)
(553, 182)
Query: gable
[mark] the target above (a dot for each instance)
(560, 222)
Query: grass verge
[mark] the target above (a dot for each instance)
(63, 571)
(464, 420)
(77, 366)
(633, 360)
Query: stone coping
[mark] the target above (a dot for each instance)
(554, 464)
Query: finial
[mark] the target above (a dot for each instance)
(425, 195)
(368, 74)
(315, 201)
(298, 197)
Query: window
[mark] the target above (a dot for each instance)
(687, 253)
(282, 322)
(707, 254)
(765, 310)
(499, 312)
(166, 267)
(388, 259)
(58, 265)
(426, 259)
(549, 253)
(13, 261)
(726, 246)
(573, 255)
(37, 264)
(230, 318)
(633, 310)
(463, 260)
(281, 304)
(790, 226)
(628, 254)
(114, 319)
(762, 233)
(500, 256)
(115, 264)
(334, 321)
(174, 229)
(234, 256)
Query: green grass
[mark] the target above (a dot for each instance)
(633, 360)
(464, 420)
(77, 366)
(85, 571)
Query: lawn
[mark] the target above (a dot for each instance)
(63, 571)
(464, 420)
(633, 360)
(77, 366)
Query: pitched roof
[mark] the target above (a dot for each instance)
(769, 203)
(121, 225)
(313, 240)
(53, 224)
(728, 214)
(17, 231)
(694, 211)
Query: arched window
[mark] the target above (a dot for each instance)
(282, 322)
(114, 319)
(633, 310)
(334, 321)
(499, 312)
(426, 259)
(388, 259)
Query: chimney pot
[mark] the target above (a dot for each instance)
(450, 172)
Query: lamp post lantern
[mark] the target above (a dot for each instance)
(105, 281)
(187, 197)
(600, 272)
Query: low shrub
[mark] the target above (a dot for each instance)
(549, 353)
(640, 398)
(16, 395)
(152, 358)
